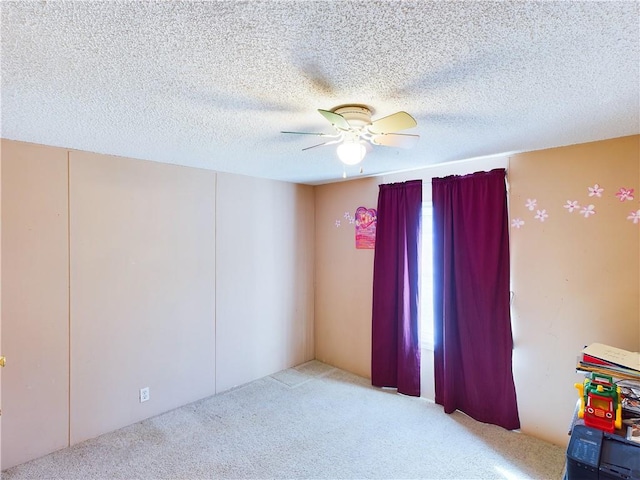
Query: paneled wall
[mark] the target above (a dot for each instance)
(344, 277)
(0, 314)
(123, 274)
(35, 306)
(265, 278)
(575, 272)
(142, 243)
(119, 274)
(576, 280)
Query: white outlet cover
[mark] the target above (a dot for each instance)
(144, 394)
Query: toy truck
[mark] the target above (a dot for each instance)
(600, 403)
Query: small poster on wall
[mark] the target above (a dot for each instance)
(366, 220)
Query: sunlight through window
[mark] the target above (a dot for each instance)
(426, 280)
(509, 474)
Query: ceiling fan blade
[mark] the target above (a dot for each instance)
(336, 119)
(313, 133)
(395, 140)
(330, 142)
(393, 123)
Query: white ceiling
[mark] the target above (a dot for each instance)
(212, 84)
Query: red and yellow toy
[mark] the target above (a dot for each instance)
(600, 403)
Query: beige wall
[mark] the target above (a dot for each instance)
(344, 277)
(575, 282)
(264, 276)
(575, 279)
(117, 271)
(35, 308)
(1, 353)
(142, 243)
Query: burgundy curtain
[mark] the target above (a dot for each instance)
(395, 346)
(472, 323)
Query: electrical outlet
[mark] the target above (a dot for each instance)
(144, 394)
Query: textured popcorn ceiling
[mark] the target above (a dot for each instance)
(212, 84)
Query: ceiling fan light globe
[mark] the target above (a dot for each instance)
(351, 153)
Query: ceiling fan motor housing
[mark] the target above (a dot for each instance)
(358, 116)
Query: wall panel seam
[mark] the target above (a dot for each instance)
(69, 296)
(215, 285)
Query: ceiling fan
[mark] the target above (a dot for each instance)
(353, 127)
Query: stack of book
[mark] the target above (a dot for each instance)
(611, 361)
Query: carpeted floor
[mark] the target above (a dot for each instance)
(309, 422)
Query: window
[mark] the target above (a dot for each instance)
(426, 280)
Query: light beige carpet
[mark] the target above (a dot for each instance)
(308, 422)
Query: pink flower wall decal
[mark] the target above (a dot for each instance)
(634, 216)
(517, 223)
(588, 211)
(625, 194)
(531, 203)
(595, 191)
(541, 215)
(571, 205)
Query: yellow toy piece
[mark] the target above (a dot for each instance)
(580, 387)
(619, 410)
